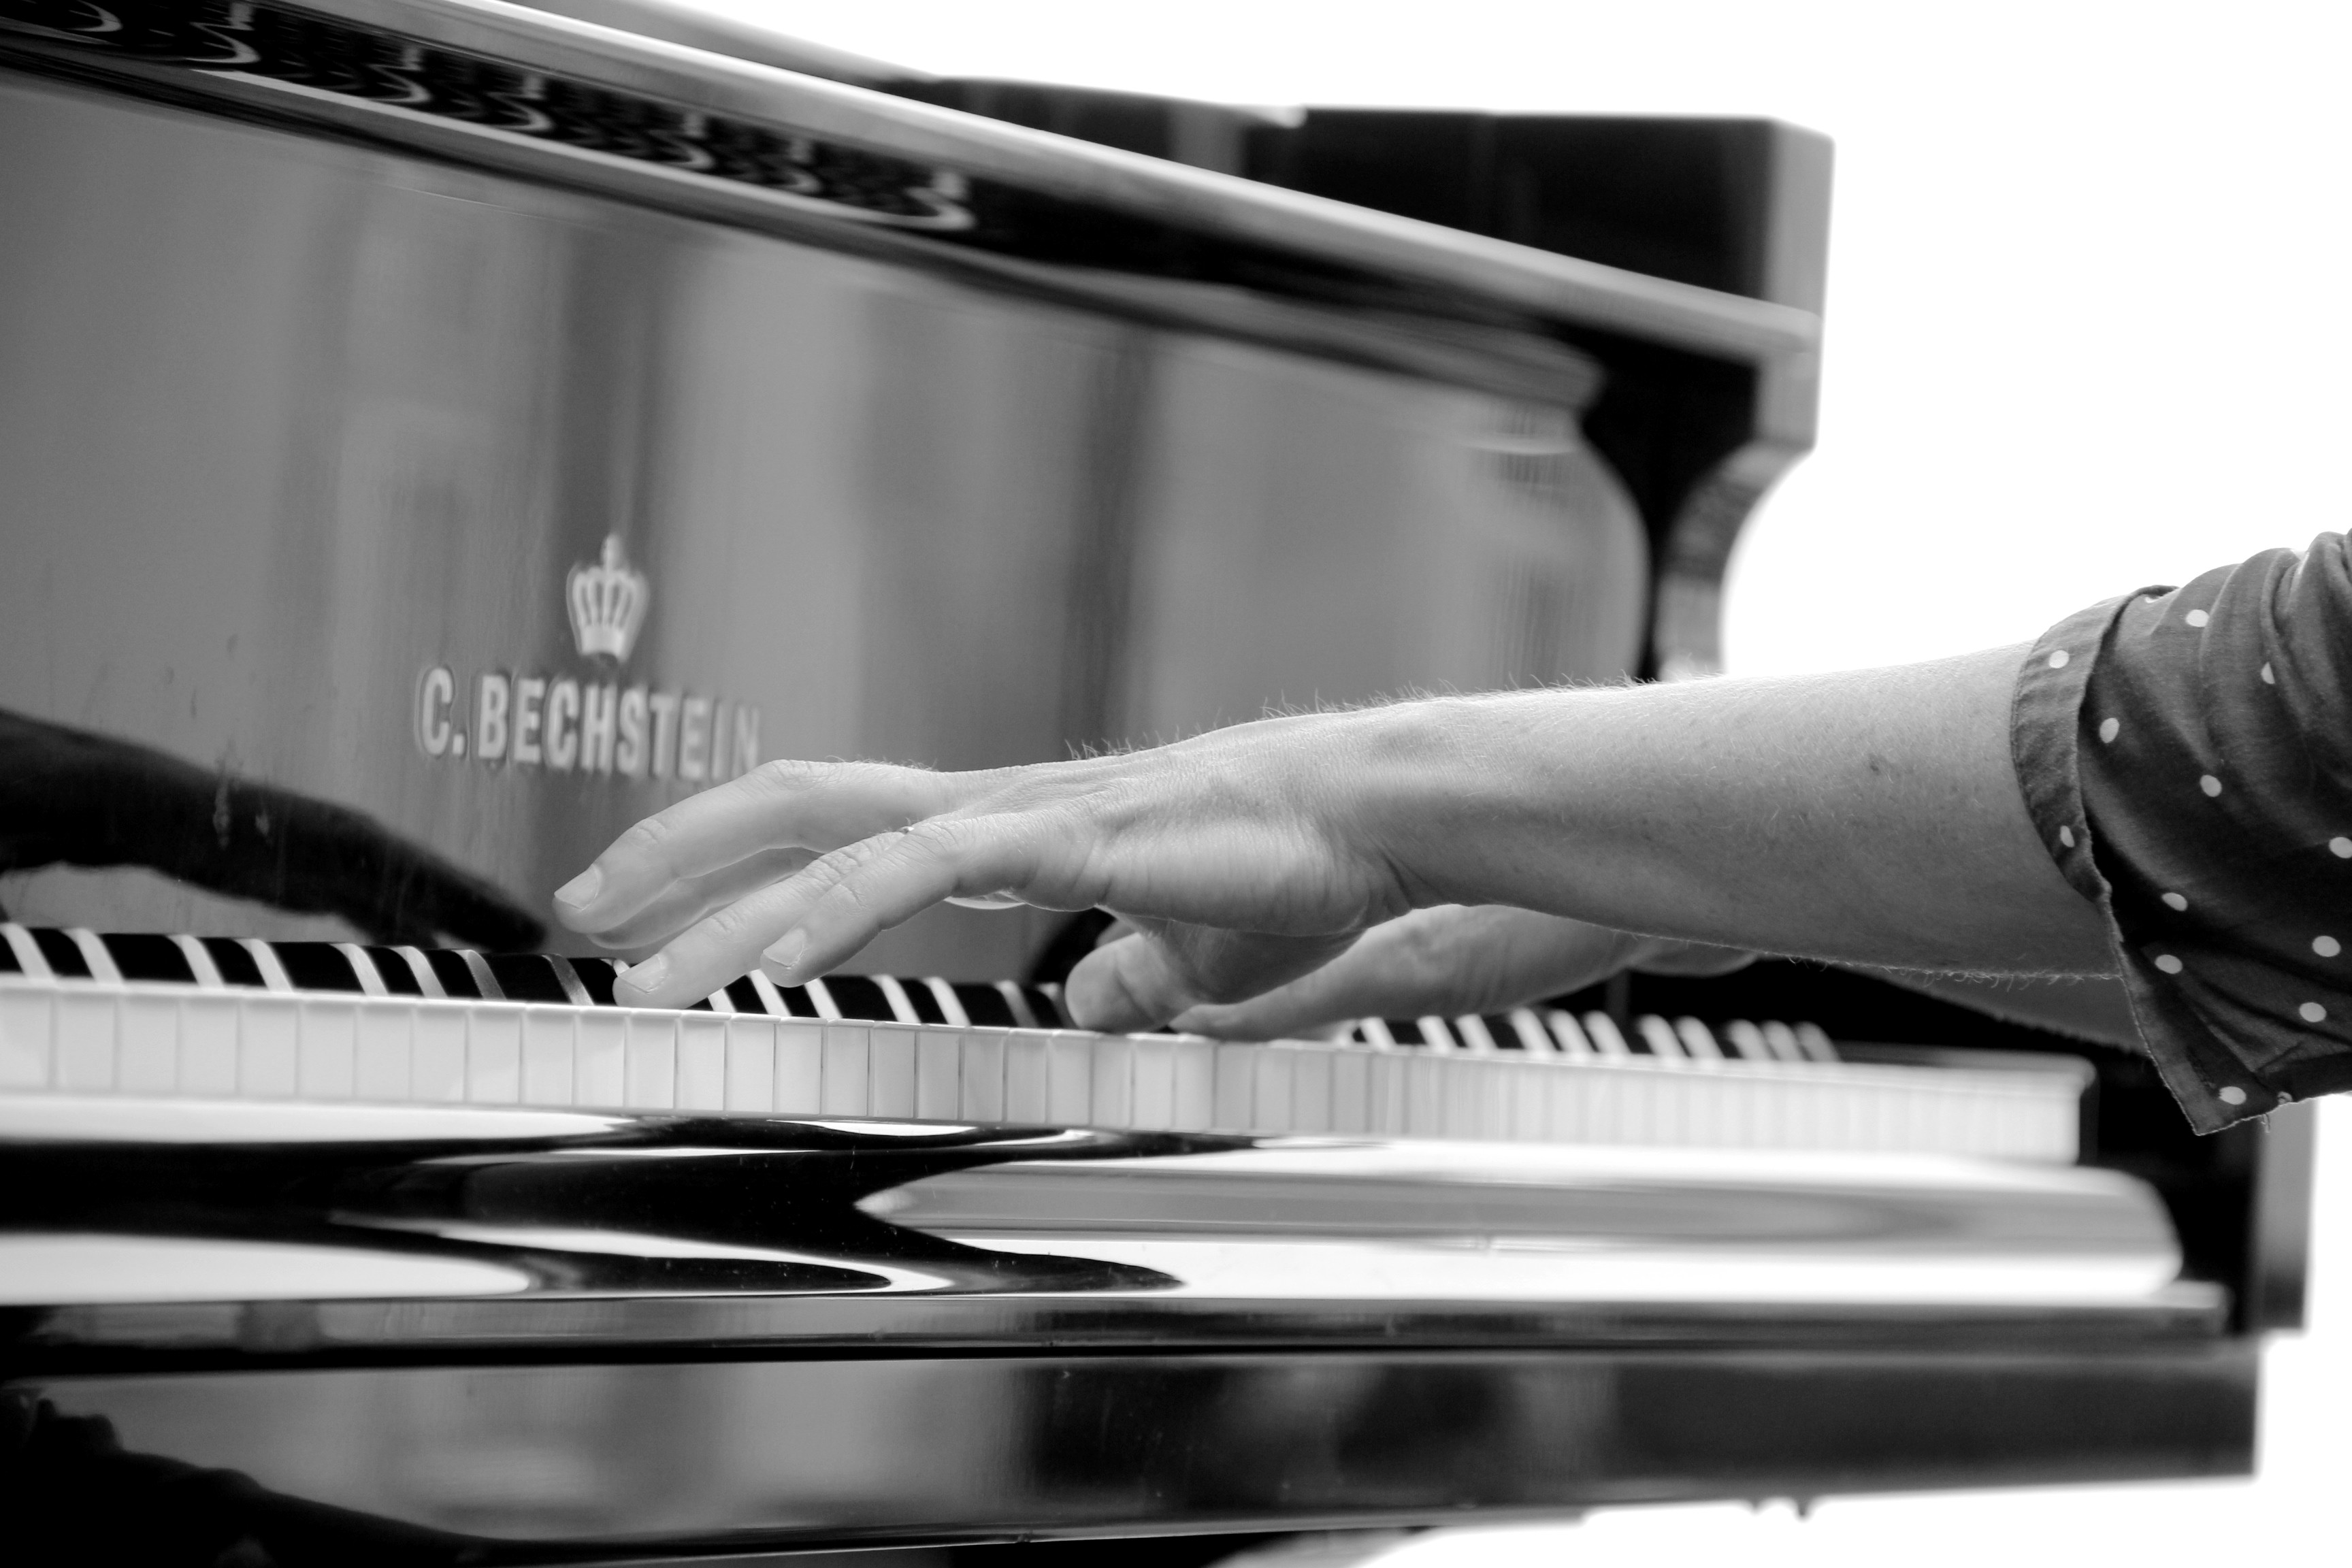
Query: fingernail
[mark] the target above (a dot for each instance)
(581, 891)
(786, 952)
(644, 977)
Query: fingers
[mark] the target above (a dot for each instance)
(1448, 960)
(1141, 982)
(810, 805)
(684, 902)
(812, 919)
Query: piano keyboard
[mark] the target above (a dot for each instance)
(221, 1018)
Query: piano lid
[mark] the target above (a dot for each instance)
(744, 142)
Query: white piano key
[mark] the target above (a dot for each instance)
(147, 1060)
(1110, 1093)
(979, 1069)
(1311, 1090)
(28, 954)
(1660, 1036)
(86, 1038)
(494, 1056)
(1023, 1015)
(1193, 1069)
(1391, 1091)
(1472, 1031)
(1028, 1078)
(265, 959)
(772, 1001)
(950, 1004)
(1435, 1035)
(436, 1059)
(28, 1027)
(1697, 1040)
(1375, 1031)
(600, 1059)
(1234, 1089)
(703, 1061)
(1748, 1040)
(938, 1075)
(380, 1051)
(94, 955)
(269, 1047)
(800, 1067)
(420, 969)
(478, 968)
(1607, 1039)
(211, 1022)
(1530, 1100)
(891, 1072)
(550, 1056)
(1069, 1078)
(1462, 1097)
(1273, 1088)
(649, 1062)
(328, 1066)
(575, 990)
(1425, 1079)
(1533, 1037)
(199, 959)
(1352, 1091)
(1154, 1069)
(894, 995)
(1815, 1044)
(364, 969)
(1782, 1041)
(751, 1064)
(844, 1089)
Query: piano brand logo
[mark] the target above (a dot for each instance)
(608, 604)
(577, 723)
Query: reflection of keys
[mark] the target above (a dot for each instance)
(218, 1016)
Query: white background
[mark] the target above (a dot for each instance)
(2088, 330)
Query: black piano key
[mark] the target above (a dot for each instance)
(399, 980)
(316, 966)
(858, 997)
(1047, 1005)
(798, 1003)
(746, 996)
(1505, 1033)
(926, 1006)
(146, 955)
(449, 968)
(985, 1005)
(526, 977)
(596, 977)
(63, 953)
(8, 964)
(235, 965)
(1406, 1032)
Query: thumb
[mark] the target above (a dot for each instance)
(1141, 982)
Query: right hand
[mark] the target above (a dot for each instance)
(1448, 960)
(1244, 857)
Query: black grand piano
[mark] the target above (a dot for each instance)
(439, 433)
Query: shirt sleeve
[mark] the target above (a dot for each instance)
(2185, 754)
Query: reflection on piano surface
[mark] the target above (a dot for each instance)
(441, 433)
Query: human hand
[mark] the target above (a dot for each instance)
(1244, 857)
(1448, 960)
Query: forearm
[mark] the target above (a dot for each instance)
(1871, 817)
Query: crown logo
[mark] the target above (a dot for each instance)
(608, 604)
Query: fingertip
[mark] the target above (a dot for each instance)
(574, 898)
(1104, 993)
(639, 985)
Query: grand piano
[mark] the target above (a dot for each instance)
(440, 432)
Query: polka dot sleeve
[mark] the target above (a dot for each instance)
(2187, 754)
